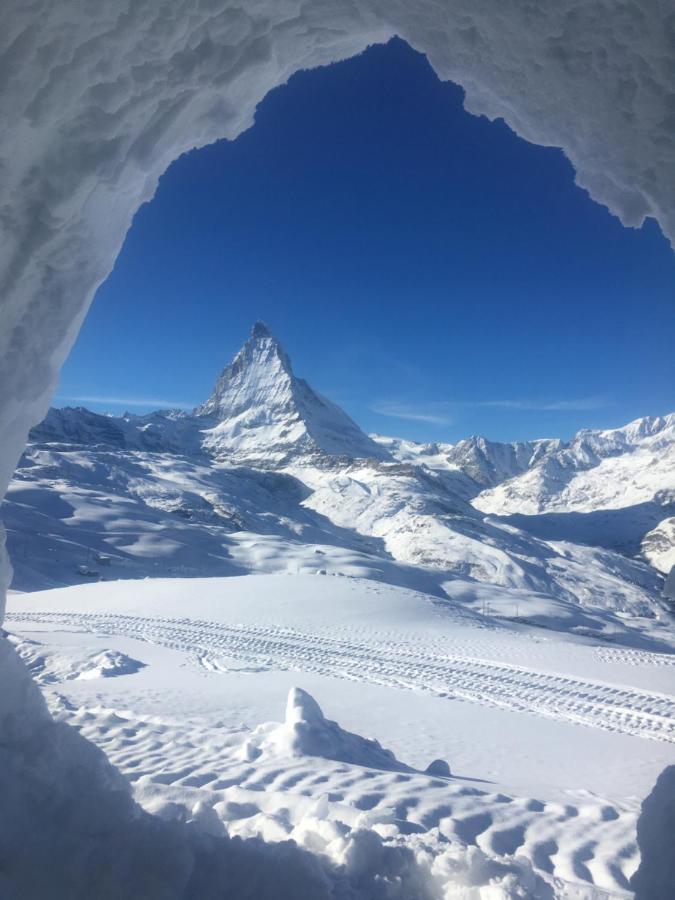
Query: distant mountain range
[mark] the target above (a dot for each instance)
(613, 488)
(268, 476)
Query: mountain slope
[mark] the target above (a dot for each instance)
(490, 462)
(259, 412)
(164, 431)
(658, 546)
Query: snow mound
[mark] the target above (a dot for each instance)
(48, 665)
(438, 768)
(307, 732)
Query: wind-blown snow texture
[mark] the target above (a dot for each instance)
(551, 738)
(70, 829)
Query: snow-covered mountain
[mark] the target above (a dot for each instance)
(595, 470)
(264, 414)
(486, 463)
(268, 477)
(614, 488)
(490, 462)
(164, 431)
(658, 546)
(259, 412)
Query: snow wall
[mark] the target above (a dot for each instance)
(655, 876)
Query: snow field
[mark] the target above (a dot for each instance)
(215, 649)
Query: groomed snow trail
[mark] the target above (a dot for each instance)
(588, 702)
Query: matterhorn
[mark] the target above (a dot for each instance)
(263, 413)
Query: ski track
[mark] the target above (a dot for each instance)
(593, 703)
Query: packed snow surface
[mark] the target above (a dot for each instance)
(552, 740)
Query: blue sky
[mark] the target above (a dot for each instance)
(428, 270)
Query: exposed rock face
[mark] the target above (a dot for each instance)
(259, 413)
(658, 545)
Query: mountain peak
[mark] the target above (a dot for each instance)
(260, 330)
(265, 413)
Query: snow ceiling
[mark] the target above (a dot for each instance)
(99, 98)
